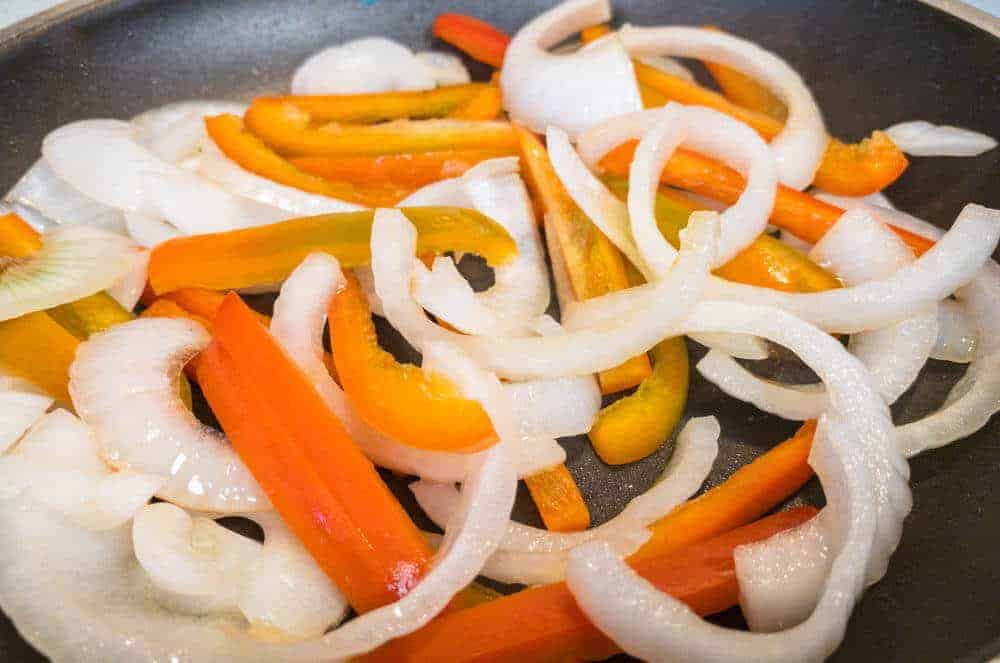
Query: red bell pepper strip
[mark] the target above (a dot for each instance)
(474, 37)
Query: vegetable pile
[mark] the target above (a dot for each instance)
(659, 208)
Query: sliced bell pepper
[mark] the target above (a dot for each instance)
(559, 500)
(35, 347)
(744, 91)
(794, 211)
(594, 265)
(477, 39)
(289, 130)
(325, 489)
(407, 172)
(268, 254)
(487, 105)
(424, 411)
(250, 153)
(165, 308)
(545, 624)
(204, 304)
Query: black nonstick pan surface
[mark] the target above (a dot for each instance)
(870, 63)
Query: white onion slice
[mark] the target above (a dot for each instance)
(148, 231)
(530, 555)
(850, 202)
(19, 411)
(42, 191)
(957, 337)
(923, 139)
(795, 402)
(372, 64)
(157, 121)
(297, 325)
(129, 288)
(124, 384)
(572, 91)
(73, 262)
(555, 407)
(798, 148)
(446, 68)
(667, 65)
(739, 346)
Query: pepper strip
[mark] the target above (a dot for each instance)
(477, 39)
(289, 130)
(268, 254)
(545, 624)
(594, 265)
(487, 105)
(558, 499)
(325, 489)
(744, 90)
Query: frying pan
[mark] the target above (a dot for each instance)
(870, 63)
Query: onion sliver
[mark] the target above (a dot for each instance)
(573, 91)
(739, 346)
(446, 68)
(124, 384)
(923, 139)
(795, 402)
(156, 121)
(957, 337)
(555, 407)
(19, 411)
(74, 262)
(129, 288)
(372, 64)
(799, 147)
(148, 231)
(42, 191)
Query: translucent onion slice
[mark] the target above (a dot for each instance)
(124, 385)
(555, 407)
(129, 288)
(58, 463)
(41, 191)
(74, 262)
(18, 411)
(923, 139)
(798, 148)
(849, 202)
(148, 231)
(957, 338)
(447, 69)
(573, 91)
(205, 568)
(158, 121)
(530, 555)
(299, 316)
(739, 346)
(795, 402)
(667, 65)
(372, 64)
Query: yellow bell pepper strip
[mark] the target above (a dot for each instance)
(290, 131)
(318, 480)
(477, 39)
(268, 254)
(475, 595)
(250, 153)
(558, 499)
(35, 347)
(594, 265)
(794, 211)
(487, 105)
(423, 411)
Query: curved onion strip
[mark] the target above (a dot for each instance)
(671, 66)
(40, 190)
(124, 384)
(219, 168)
(129, 288)
(858, 466)
(795, 402)
(19, 411)
(923, 139)
(157, 121)
(204, 568)
(575, 353)
(148, 231)
(180, 141)
(555, 407)
(297, 325)
(572, 91)
(372, 64)
(58, 463)
(530, 555)
(446, 68)
(850, 202)
(957, 338)
(739, 346)
(520, 292)
(799, 147)
(74, 262)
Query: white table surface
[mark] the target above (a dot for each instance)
(15, 10)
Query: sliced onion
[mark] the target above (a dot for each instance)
(42, 191)
(19, 411)
(923, 139)
(217, 167)
(848, 202)
(795, 402)
(297, 325)
(124, 384)
(739, 346)
(667, 65)
(446, 68)
(157, 121)
(74, 262)
(555, 407)
(129, 288)
(58, 463)
(572, 91)
(957, 337)
(798, 148)
(530, 555)
(372, 64)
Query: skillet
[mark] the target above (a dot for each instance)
(870, 63)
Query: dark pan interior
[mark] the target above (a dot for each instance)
(869, 63)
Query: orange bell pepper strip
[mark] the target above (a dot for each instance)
(477, 39)
(204, 304)
(487, 105)
(750, 492)
(250, 153)
(424, 411)
(558, 499)
(594, 265)
(291, 132)
(545, 624)
(744, 91)
(165, 308)
(37, 348)
(324, 488)
(268, 254)
(407, 172)
(797, 212)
